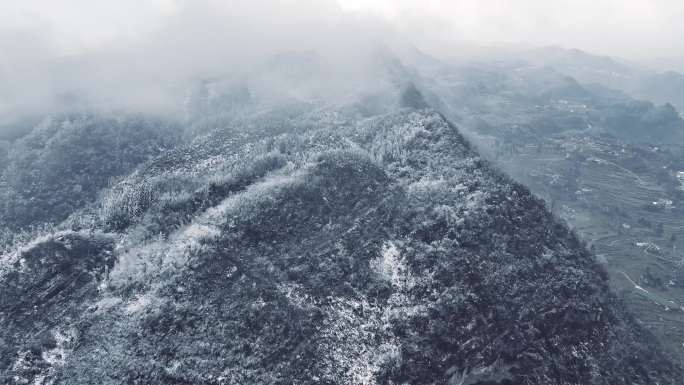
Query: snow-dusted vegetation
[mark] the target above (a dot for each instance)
(308, 192)
(315, 248)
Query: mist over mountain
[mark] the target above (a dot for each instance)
(638, 80)
(297, 192)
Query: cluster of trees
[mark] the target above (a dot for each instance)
(62, 163)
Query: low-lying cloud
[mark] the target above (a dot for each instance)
(140, 54)
(195, 40)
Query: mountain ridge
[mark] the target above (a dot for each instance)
(319, 248)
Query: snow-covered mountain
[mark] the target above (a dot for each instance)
(279, 235)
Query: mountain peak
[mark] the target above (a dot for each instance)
(359, 252)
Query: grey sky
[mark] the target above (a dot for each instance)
(635, 29)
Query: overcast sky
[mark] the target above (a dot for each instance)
(635, 29)
(123, 53)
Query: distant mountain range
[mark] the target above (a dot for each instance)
(635, 79)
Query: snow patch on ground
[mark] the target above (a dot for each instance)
(139, 304)
(295, 294)
(54, 358)
(106, 303)
(392, 267)
(357, 342)
(58, 355)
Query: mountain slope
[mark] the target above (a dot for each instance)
(520, 102)
(317, 248)
(637, 80)
(604, 162)
(61, 165)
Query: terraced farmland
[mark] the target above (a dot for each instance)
(627, 214)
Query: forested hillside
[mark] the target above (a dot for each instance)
(341, 192)
(316, 247)
(62, 163)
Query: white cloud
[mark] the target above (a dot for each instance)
(127, 51)
(633, 28)
(140, 53)
(79, 25)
